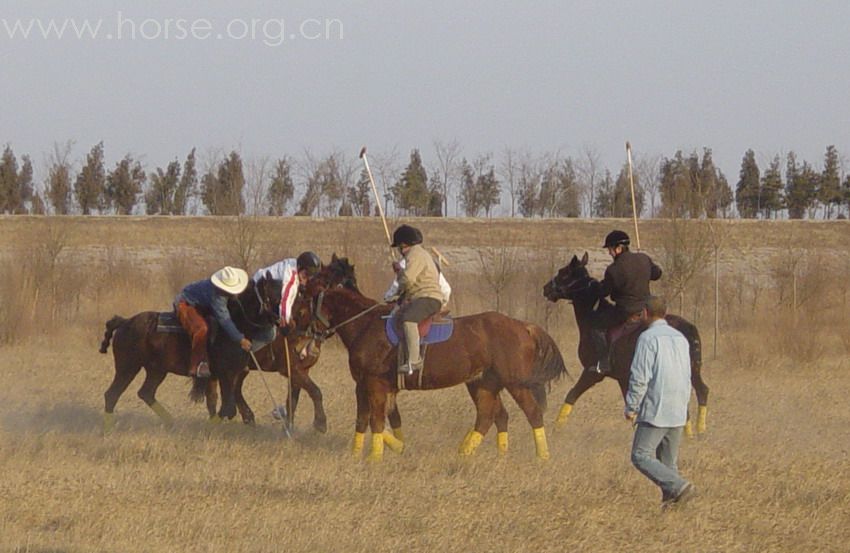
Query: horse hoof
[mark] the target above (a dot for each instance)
(320, 426)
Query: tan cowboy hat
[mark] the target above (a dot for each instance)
(230, 280)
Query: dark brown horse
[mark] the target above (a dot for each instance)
(488, 352)
(573, 283)
(136, 344)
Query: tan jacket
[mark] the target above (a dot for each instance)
(419, 278)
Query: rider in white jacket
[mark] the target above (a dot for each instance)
(292, 273)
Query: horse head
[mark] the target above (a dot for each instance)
(267, 291)
(339, 272)
(571, 282)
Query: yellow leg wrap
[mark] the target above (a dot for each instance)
(163, 413)
(357, 444)
(540, 443)
(108, 423)
(703, 412)
(502, 442)
(392, 442)
(214, 419)
(398, 433)
(471, 442)
(689, 429)
(566, 409)
(377, 453)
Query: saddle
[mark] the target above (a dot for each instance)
(632, 324)
(167, 323)
(433, 330)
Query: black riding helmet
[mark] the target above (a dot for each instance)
(616, 238)
(310, 262)
(405, 234)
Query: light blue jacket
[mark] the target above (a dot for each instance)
(660, 382)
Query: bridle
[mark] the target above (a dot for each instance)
(265, 308)
(318, 317)
(579, 285)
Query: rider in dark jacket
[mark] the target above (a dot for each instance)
(627, 283)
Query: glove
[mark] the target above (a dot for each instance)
(391, 299)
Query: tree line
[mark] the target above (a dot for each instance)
(515, 183)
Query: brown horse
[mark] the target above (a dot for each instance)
(488, 352)
(136, 344)
(573, 283)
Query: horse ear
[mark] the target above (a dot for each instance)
(268, 275)
(334, 257)
(574, 260)
(584, 259)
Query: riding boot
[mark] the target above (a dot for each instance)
(600, 342)
(411, 338)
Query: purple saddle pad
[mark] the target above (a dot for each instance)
(440, 331)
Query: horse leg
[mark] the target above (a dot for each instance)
(376, 393)
(702, 398)
(241, 404)
(586, 381)
(501, 426)
(211, 396)
(484, 394)
(125, 372)
(525, 398)
(226, 383)
(147, 393)
(320, 420)
(395, 421)
(362, 419)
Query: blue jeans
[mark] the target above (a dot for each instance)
(654, 453)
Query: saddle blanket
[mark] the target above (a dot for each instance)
(430, 331)
(167, 322)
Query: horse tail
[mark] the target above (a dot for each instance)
(111, 326)
(548, 364)
(691, 333)
(199, 390)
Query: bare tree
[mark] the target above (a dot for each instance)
(58, 185)
(509, 170)
(448, 154)
(386, 167)
(590, 171)
(256, 184)
(499, 267)
(647, 169)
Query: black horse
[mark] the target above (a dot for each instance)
(573, 283)
(137, 344)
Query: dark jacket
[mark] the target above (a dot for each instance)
(627, 280)
(212, 301)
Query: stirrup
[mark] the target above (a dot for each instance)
(202, 370)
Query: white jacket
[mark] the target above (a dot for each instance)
(286, 271)
(445, 288)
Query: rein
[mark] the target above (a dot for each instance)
(317, 316)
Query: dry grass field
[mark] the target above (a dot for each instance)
(771, 470)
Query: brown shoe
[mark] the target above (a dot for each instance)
(203, 370)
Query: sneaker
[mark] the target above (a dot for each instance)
(203, 370)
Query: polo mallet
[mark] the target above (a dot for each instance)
(377, 200)
(632, 186)
(269, 390)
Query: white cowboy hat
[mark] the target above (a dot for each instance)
(230, 280)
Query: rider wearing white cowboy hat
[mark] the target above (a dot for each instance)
(208, 297)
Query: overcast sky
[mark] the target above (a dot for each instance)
(543, 75)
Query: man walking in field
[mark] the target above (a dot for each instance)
(657, 403)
